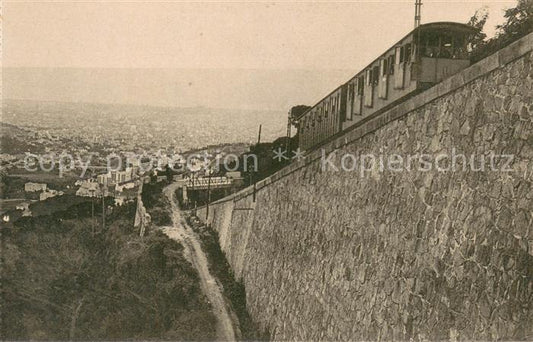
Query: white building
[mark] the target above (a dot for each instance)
(127, 185)
(49, 194)
(34, 187)
(89, 188)
(116, 177)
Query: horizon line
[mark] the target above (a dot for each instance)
(179, 68)
(139, 105)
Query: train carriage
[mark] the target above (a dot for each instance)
(424, 57)
(323, 120)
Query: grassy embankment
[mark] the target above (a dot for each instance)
(60, 281)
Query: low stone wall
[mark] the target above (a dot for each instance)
(334, 255)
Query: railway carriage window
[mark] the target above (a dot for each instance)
(402, 54)
(446, 46)
(391, 64)
(375, 75)
(360, 85)
(432, 45)
(333, 107)
(407, 52)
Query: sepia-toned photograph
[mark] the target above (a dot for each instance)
(230, 170)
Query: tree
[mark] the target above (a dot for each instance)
(519, 21)
(297, 111)
(478, 20)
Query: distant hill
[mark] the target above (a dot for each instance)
(14, 140)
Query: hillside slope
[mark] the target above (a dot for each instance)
(61, 282)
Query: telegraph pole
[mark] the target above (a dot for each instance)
(208, 194)
(287, 145)
(253, 172)
(103, 209)
(418, 15)
(92, 213)
(418, 18)
(103, 212)
(259, 135)
(192, 187)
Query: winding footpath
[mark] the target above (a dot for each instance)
(181, 232)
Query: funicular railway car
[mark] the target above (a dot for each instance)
(323, 120)
(424, 57)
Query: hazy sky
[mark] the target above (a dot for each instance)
(277, 37)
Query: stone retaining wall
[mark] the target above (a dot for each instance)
(335, 255)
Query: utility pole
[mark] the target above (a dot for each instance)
(418, 18)
(253, 172)
(92, 213)
(192, 184)
(103, 212)
(103, 209)
(289, 121)
(259, 136)
(208, 194)
(418, 15)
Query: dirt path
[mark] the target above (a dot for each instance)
(180, 231)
